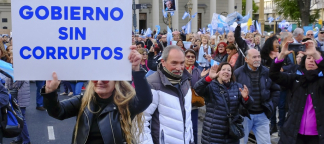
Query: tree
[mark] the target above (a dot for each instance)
(297, 10)
(254, 7)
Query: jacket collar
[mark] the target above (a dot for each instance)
(261, 69)
(185, 76)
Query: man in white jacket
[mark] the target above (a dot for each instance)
(168, 118)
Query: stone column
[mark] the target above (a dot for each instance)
(249, 6)
(175, 17)
(231, 5)
(212, 8)
(194, 24)
(155, 13)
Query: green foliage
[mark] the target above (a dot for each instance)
(254, 7)
(290, 9)
(314, 17)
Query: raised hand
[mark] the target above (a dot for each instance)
(204, 72)
(212, 72)
(208, 57)
(135, 58)
(190, 69)
(52, 85)
(311, 49)
(284, 51)
(244, 92)
(152, 49)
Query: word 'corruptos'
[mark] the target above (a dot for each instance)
(62, 52)
(70, 13)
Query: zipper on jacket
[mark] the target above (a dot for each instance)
(88, 126)
(184, 121)
(112, 128)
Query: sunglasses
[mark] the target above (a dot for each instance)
(190, 56)
(311, 34)
(321, 32)
(105, 82)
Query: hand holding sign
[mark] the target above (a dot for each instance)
(52, 85)
(135, 58)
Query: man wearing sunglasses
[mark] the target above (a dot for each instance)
(320, 39)
(310, 34)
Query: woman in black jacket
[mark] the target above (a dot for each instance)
(269, 52)
(109, 112)
(305, 121)
(221, 80)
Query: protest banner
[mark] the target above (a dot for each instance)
(78, 39)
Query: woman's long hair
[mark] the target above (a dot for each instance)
(266, 50)
(123, 93)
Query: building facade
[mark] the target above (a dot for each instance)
(152, 16)
(5, 14)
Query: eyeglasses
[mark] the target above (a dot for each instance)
(310, 34)
(144, 54)
(321, 32)
(105, 82)
(163, 37)
(190, 56)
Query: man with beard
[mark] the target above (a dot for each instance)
(265, 94)
(168, 118)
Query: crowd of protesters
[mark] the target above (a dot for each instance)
(233, 78)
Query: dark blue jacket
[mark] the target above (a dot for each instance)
(269, 90)
(215, 129)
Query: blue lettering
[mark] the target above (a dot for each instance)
(87, 12)
(104, 15)
(121, 14)
(50, 52)
(60, 53)
(45, 15)
(56, 12)
(66, 13)
(22, 52)
(95, 49)
(29, 13)
(118, 53)
(103, 53)
(84, 53)
(62, 31)
(41, 50)
(76, 55)
(71, 33)
(78, 32)
(75, 13)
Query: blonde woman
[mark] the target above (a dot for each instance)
(109, 112)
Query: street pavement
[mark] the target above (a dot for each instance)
(39, 121)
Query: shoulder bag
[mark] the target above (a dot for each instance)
(236, 129)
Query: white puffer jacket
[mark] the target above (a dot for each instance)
(168, 118)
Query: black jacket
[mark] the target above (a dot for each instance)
(242, 47)
(269, 90)
(221, 58)
(153, 61)
(287, 64)
(297, 104)
(215, 128)
(109, 118)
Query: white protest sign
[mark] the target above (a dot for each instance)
(78, 39)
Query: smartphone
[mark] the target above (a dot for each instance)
(296, 47)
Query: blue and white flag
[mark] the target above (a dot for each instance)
(187, 28)
(270, 19)
(169, 36)
(142, 31)
(204, 30)
(172, 13)
(157, 31)
(210, 27)
(165, 14)
(194, 15)
(278, 18)
(289, 28)
(6, 69)
(258, 25)
(185, 15)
